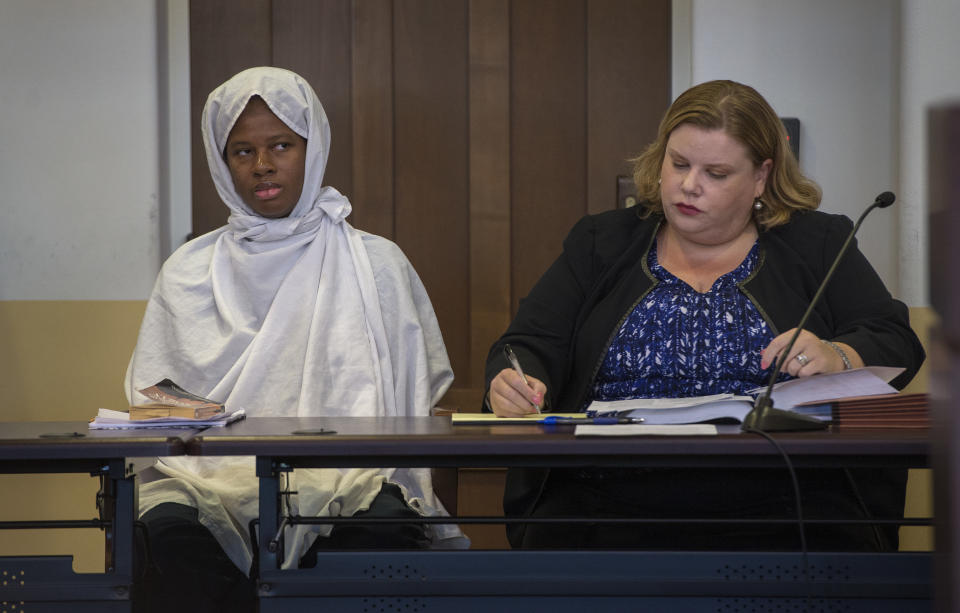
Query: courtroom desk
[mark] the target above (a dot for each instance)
(434, 441)
(563, 580)
(48, 583)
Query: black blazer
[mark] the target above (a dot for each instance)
(564, 327)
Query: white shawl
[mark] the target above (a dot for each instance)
(302, 315)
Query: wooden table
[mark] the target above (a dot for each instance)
(566, 580)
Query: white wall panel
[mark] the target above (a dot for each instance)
(834, 65)
(78, 149)
(930, 74)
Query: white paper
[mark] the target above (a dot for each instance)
(646, 430)
(868, 381)
(614, 406)
(677, 410)
(107, 419)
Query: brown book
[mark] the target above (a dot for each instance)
(156, 409)
(171, 400)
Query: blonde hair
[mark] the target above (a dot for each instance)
(741, 112)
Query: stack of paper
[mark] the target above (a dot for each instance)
(717, 407)
(808, 395)
(107, 419)
(867, 381)
(172, 407)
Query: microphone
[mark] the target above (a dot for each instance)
(764, 416)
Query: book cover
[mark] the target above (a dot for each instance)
(156, 409)
(171, 400)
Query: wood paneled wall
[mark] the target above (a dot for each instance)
(473, 133)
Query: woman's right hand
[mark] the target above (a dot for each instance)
(510, 397)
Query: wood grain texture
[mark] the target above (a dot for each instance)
(431, 157)
(373, 116)
(490, 273)
(628, 88)
(226, 36)
(548, 132)
(313, 39)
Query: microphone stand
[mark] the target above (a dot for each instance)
(764, 416)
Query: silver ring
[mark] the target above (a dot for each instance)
(802, 359)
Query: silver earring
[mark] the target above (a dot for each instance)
(757, 204)
(659, 181)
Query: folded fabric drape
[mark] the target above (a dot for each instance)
(302, 315)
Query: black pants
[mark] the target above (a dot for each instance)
(181, 567)
(716, 494)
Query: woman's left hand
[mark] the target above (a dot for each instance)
(808, 356)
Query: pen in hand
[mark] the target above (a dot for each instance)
(515, 363)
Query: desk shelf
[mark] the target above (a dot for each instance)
(559, 581)
(48, 583)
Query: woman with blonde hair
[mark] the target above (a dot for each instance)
(742, 113)
(696, 291)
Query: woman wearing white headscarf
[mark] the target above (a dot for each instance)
(286, 310)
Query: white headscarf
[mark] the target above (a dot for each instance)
(301, 315)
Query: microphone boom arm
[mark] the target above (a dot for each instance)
(764, 416)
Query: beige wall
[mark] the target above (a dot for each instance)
(61, 360)
(920, 481)
(922, 320)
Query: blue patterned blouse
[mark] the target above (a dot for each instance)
(678, 342)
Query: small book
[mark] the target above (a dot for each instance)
(171, 400)
(156, 409)
(107, 419)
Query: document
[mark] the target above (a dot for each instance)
(699, 409)
(645, 430)
(819, 390)
(867, 381)
(108, 419)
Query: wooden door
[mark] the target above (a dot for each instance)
(473, 133)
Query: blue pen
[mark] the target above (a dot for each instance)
(600, 421)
